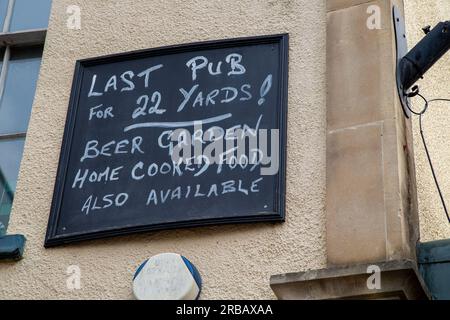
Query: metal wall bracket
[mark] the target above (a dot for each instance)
(402, 50)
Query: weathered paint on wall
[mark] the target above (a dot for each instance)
(436, 123)
(235, 261)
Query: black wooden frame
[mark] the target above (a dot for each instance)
(52, 239)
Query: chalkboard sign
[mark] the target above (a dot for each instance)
(173, 137)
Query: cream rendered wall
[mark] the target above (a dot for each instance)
(436, 123)
(235, 261)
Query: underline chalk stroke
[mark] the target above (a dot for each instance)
(177, 124)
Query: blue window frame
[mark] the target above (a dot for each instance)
(19, 70)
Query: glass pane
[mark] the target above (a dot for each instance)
(22, 74)
(30, 14)
(3, 8)
(10, 156)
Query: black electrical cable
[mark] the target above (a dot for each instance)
(415, 92)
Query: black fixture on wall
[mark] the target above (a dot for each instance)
(412, 65)
(424, 55)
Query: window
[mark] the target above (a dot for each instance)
(24, 24)
(30, 14)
